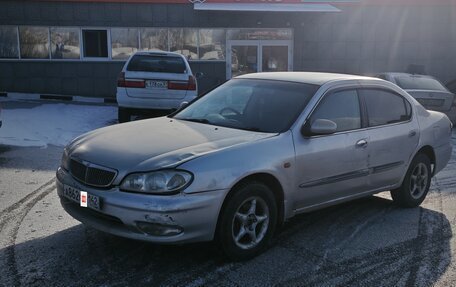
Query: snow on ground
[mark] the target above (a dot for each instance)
(52, 124)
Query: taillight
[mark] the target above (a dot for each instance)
(189, 85)
(122, 82)
(135, 84)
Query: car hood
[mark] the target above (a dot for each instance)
(156, 143)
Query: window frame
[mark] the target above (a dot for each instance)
(18, 44)
(108, 44)
(80, 44)
(384, 89)
(320, 102)
(48, 28)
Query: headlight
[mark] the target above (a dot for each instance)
(65, 160)
(162, 181)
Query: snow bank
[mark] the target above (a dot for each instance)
(52, 124)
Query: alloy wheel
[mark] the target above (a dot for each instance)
(250, 223)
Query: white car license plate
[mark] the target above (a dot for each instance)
(83, 198)
(156, 84)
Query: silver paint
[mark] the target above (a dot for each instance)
(219, 158)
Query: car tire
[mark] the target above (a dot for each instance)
(123, 115)
(247, 221)
(416, 183)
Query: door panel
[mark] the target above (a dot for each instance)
(330, 167)
(393, 136)
(333, 166)
(390, 150)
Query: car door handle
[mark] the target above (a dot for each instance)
(412, 133)
(361, 143)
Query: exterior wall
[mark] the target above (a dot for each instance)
(371, 39)
(360, 40)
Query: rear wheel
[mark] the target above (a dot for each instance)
(416, 183)
(248, 221)
(123, 115)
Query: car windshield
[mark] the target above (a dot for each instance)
(419, 83)
(157, 64)
(255, 105)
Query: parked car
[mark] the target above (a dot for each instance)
(250, 154)
(432, 94)
(154, 82)
(451, 86)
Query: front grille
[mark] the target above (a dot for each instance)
(91, 174)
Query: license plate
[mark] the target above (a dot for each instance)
(157, 84)
(83, 198)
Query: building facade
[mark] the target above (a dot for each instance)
(79, 47)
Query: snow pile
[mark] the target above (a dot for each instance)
(53, 124)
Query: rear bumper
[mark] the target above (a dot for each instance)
(122, 213)
(442, 156)
(123, 100)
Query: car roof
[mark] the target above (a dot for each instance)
(396, 74)
(312, 78)
(158, 53)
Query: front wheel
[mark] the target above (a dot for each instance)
(416, 183)
(248, 221)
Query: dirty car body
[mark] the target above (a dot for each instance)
(313, 147)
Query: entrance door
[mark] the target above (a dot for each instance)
(251, 56)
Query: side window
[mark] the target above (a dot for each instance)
(340, 107)
(385, 107)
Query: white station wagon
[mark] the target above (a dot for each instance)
(154, 82)
(250, 154)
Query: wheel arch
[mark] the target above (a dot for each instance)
(429, 152)
(267, 179)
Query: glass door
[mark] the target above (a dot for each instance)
(252, 56)
(274, 58)
(244, 60)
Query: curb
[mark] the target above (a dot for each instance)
(23, 96)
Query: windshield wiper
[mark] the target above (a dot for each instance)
(203, 121)
(253, 129)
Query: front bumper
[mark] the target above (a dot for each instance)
(121, 212)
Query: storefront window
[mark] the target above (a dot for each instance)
(212, 44)
(260, 34)
(8, 42)
(34, 42)
(184, 41)
(65, 43)
(124, 42)
(95, 43)
(154, 39)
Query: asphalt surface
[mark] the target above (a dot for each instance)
(368, 242)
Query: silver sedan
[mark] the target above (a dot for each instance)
(238, 162)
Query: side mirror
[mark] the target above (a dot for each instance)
(199, 75)
(319, 127)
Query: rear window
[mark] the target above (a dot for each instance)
(157, 64)
(419, 83)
